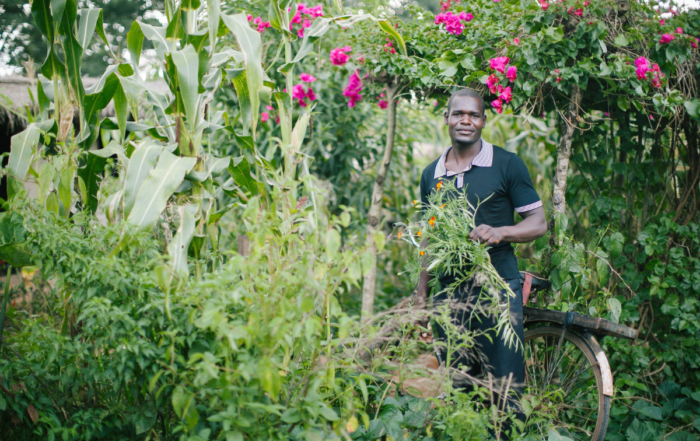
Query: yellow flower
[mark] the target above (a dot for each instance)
(422, 253)
(399, 235)
(419, 234)
(439, 184)
(415, 202)
(444, 205)
(432, 221)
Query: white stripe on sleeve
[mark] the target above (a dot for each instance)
(529, 207)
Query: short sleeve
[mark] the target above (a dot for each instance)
(520, 189)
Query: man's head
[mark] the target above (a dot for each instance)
(465, 116)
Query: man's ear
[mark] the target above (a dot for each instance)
(444, 115)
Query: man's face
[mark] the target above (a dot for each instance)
(465, 120)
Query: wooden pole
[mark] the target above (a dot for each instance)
(374, 215)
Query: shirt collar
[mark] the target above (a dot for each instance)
(483, 159)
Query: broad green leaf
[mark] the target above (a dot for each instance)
(134, 42)
(177, 248)
(161, 102)
(100, 28)
(113, 148)
(234, 436)
(379, 240)
(86, 28)
(615, 309)
(250, 44)
(156, 34)
(121, 108)
(179, 398)
(65, 188)
(622, 103)
(389, 29)
(187, 63)
(132, 87)
(693, 107)
(190, 5)
(240, 84)
(22, 151)
(157, 188)
(213, 17)
(74, 57)
(91, 175)
(332, 243)
(299, 131)
(140, 164)
(621, 40)
(653, 412)
(240, 172)
(44, 19)
(15, 255)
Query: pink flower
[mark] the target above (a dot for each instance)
(516, 41)
(651, 117)
(453, 23)
(498, 105)
(662, 22)
(499, 64)
(578, 12)
(545, 6)
(302, 103)
(250, 17)
(496, 1)
(300, 33)
(310, 94)
(353, 89)
(512, 73)
(298, 92)
(694, 44)
(606, 113)
(339, 56)
(316, 11)
(268, 107)
(585, 5)
(262, 25)
(506, 95)
(383, 104)
(666, 38)
(679, 30)
(307, 78)
(306, 24)
(642, 67)
(491, 82)
(558, 79)
(264, 116)
(301, 8)
(296, 19)
(277, 119)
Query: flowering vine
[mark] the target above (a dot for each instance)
(453, 22)
(339, 55)
(353, 89)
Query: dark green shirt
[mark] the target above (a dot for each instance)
(497, 173)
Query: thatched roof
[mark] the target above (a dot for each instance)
(14, 98)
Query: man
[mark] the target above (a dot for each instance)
(499, 181)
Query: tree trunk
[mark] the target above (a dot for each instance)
(374, 215)
(568, 126)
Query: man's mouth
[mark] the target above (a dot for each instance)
(465, 132)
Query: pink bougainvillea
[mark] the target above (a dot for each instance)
(506, 95)
(383, 104)
(310, 94)
(264, 116)
(662, 22)
(499, 64)
(667, 38)
(679, 30)
(492, 81)
(262, 25)
(578, 12)
(516, 41)
(544, 5)
(250, 17)
(307, 78)
(453, 22)
(558, 79)
(498, 105)
(339, 55)
(353, 89)
(694, 44)
(642, 67)
(315, 12)
(298, 92)
(389, 47)
(512, 73)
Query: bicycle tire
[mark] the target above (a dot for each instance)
(553, 334)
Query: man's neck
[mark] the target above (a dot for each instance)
(465, 151)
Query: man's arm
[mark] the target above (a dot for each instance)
(533, 226)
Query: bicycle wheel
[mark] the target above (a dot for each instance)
(566, 383)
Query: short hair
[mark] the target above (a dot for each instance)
(467, 92)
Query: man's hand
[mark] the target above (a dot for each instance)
(486, 234)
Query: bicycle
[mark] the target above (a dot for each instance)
(565, 367)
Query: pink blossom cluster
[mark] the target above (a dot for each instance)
(453, 22)
(389, 47)
(298, 92)
(383, 104)
(643, 68)
(339, 55)
(504, 94)
(264, 116)
(667, 38)
(262, 25)
(353, 89)
(445, 5)
(316, 11)
(544, 5)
